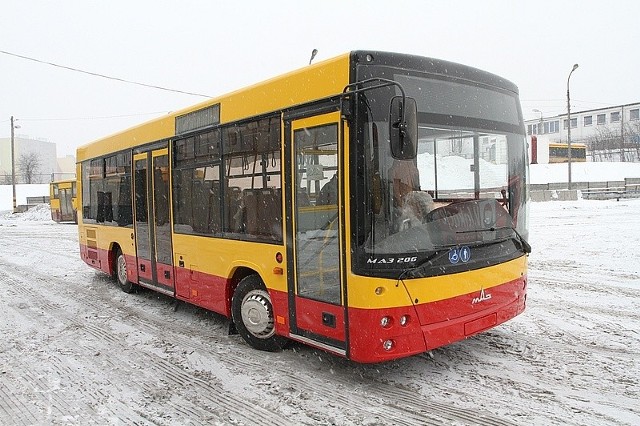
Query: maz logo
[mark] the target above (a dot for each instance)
(483, 296)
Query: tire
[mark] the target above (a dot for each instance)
(120, 273)
(252, 313)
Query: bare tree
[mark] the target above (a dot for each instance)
(5, 178)
(632, 140)
(615, 142)
(29, 165)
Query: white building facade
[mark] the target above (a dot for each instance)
(615, 129)
(46, 154)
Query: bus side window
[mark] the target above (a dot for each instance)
(105, 210)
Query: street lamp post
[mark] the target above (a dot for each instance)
(540, 126)
(575, 67)
(13, 164)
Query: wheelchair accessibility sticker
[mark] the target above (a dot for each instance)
(462, 254)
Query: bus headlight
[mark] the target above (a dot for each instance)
(387, 345)
(385, 322)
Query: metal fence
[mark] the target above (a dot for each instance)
(627, 188)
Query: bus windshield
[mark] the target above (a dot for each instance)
(461, 202)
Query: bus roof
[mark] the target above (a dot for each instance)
(564, 144)
(436, 67)
(59, 181)
(267, 96)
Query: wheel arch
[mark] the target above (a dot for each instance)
(237, 275)
(112, 256)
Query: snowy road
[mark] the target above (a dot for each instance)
(76, 350)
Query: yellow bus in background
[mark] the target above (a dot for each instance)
(559, 152)
(63, 200)
(373, 205)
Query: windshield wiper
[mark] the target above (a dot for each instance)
(524, 245)
(439, 250)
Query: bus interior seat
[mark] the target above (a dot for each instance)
(234, 219)
(263, 210)
(199, 209)
(214, 207)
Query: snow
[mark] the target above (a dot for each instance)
(583, 172)
(76, 350)
(40, 212)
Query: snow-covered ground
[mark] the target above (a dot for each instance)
(76, 350)
(583, 172)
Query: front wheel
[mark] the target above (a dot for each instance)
(121, 273)
(252, 314)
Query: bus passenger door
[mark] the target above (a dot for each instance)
(66, 208)
(152, 221)
(317, 312)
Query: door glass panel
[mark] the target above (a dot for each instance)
(65, 202)
(142, 221)
(161, 209)
(316, 212)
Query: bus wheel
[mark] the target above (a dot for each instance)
(121, 273)
(252, 314)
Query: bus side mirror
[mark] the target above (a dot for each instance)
(403, 128)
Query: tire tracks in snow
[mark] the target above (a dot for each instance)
(148, 371)
(157, 375)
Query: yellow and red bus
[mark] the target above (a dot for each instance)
(559, 153)
(373, 205)
(63, 200)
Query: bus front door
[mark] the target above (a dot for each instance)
(66, 207)
(152, 223)
(316, 301)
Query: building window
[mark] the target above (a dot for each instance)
(602, 119)
(542, 128)
(615, 117)
(588, 120)
(554, 126)
(574, 123)
(634, 114)
(534, 129)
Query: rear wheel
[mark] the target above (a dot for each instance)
(252, 314)
(121, 273)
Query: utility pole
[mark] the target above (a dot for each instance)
(575, 66)
(622, 154)
(13, 165)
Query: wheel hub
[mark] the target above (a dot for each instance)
(122, 269)
(257, 314)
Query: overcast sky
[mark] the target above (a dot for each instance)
(213, 47)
